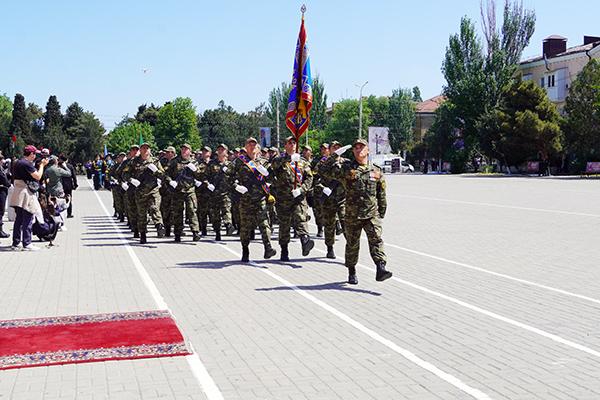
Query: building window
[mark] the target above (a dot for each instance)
(542, 82)
(527, 77)
(550, 81)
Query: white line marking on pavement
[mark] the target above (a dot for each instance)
(451, 379)
(512, 278)
(490, 314)
(497, 205)
(486, 271)
(206, 382)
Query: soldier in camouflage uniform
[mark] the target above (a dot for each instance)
(218, 173)
(117, 191)
(131, 202)
(365, 208)
(292, 180)
(146, 176)
(183, 171)
(249, 179)
(203, 194)
(339, 194)
(165, 192)
(317, 188)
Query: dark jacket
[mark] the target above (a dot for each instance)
(4, 182)
(69, 183)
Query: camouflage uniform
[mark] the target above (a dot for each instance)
(292, 211)
(117, 191)
(146, 194)
(253, 204)
(203, 197)
(166, 197)
(317, 206)
(130, 201)
(365, 208)
(184, 195)
(332, 206)
(218, 174)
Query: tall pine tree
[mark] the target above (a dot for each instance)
(19, 125)
(53, 135)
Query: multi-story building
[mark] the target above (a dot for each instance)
(558, 66)
(425, 115)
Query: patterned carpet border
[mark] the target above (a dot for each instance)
(94, 355)
(82, 319)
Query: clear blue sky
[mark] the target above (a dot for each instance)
(93, 52)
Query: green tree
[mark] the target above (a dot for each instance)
(416, 95)
(529, 124)
(35, 116)
(582, 126)
(127, 133)
(279, 96)
(343, 126)
(147, 114)
(440, 139)
(318, 112)
(401, 119)
(54, 136)
(72, 116)
(19, 125)
(88, 137)
(6, 108)
(177, 124)
(220, 125)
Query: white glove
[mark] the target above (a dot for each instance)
(241, 189)
(295, 157)
(342, 150)
(152, 167)
(173, 184)
(263, 170)
(113, 181)
(211, 187)
(225, 169)
(296, 192)
(158, 182)
(192, 167)
(326, 191)
(197, 183)
(125, 186)
(134, 182)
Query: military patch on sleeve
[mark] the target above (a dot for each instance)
(352, 174)
(375, 175)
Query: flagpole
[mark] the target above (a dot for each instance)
(299, 81)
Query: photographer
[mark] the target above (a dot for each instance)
(69, 183)
(4, 186)
(24, 198)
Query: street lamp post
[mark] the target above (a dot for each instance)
(360, 109)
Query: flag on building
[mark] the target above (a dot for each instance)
(300, 100)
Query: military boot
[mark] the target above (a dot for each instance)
(330, 252)
(320, 231)
(143, 239)
(285, 255)
(230, 230)
(136, 233)
(218, 236)
(195, 236)
(352, 279)
(177, 237)
(269, 252)
(382, 273)
(168, 231)
(122, 218)
(160, 230)
(245, 254)
(307, 244)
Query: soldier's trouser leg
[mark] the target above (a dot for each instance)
(353, 231)
(142, 213)
(165, 208)
(251, 215)
(373, 228)
(132, 208)
(284, 214)
(300, 218)
(263, 224)
(190, 212)
(341, 212)
(329, 218)
(226, 210)
(176, 214)
(153, 208)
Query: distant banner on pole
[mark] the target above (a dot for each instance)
(265, 137)
(379, 142)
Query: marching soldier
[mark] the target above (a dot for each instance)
(130, 201)
(249, 178)
(365, 208)
(292, 179)
(203, 194)
(218, 173)
(166, 194)
(183, 171)
(318, 188)
(146, 176)
(116, 189)
(340, 196)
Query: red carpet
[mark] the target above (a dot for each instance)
(89, 338)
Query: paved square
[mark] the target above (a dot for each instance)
(496, 294)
